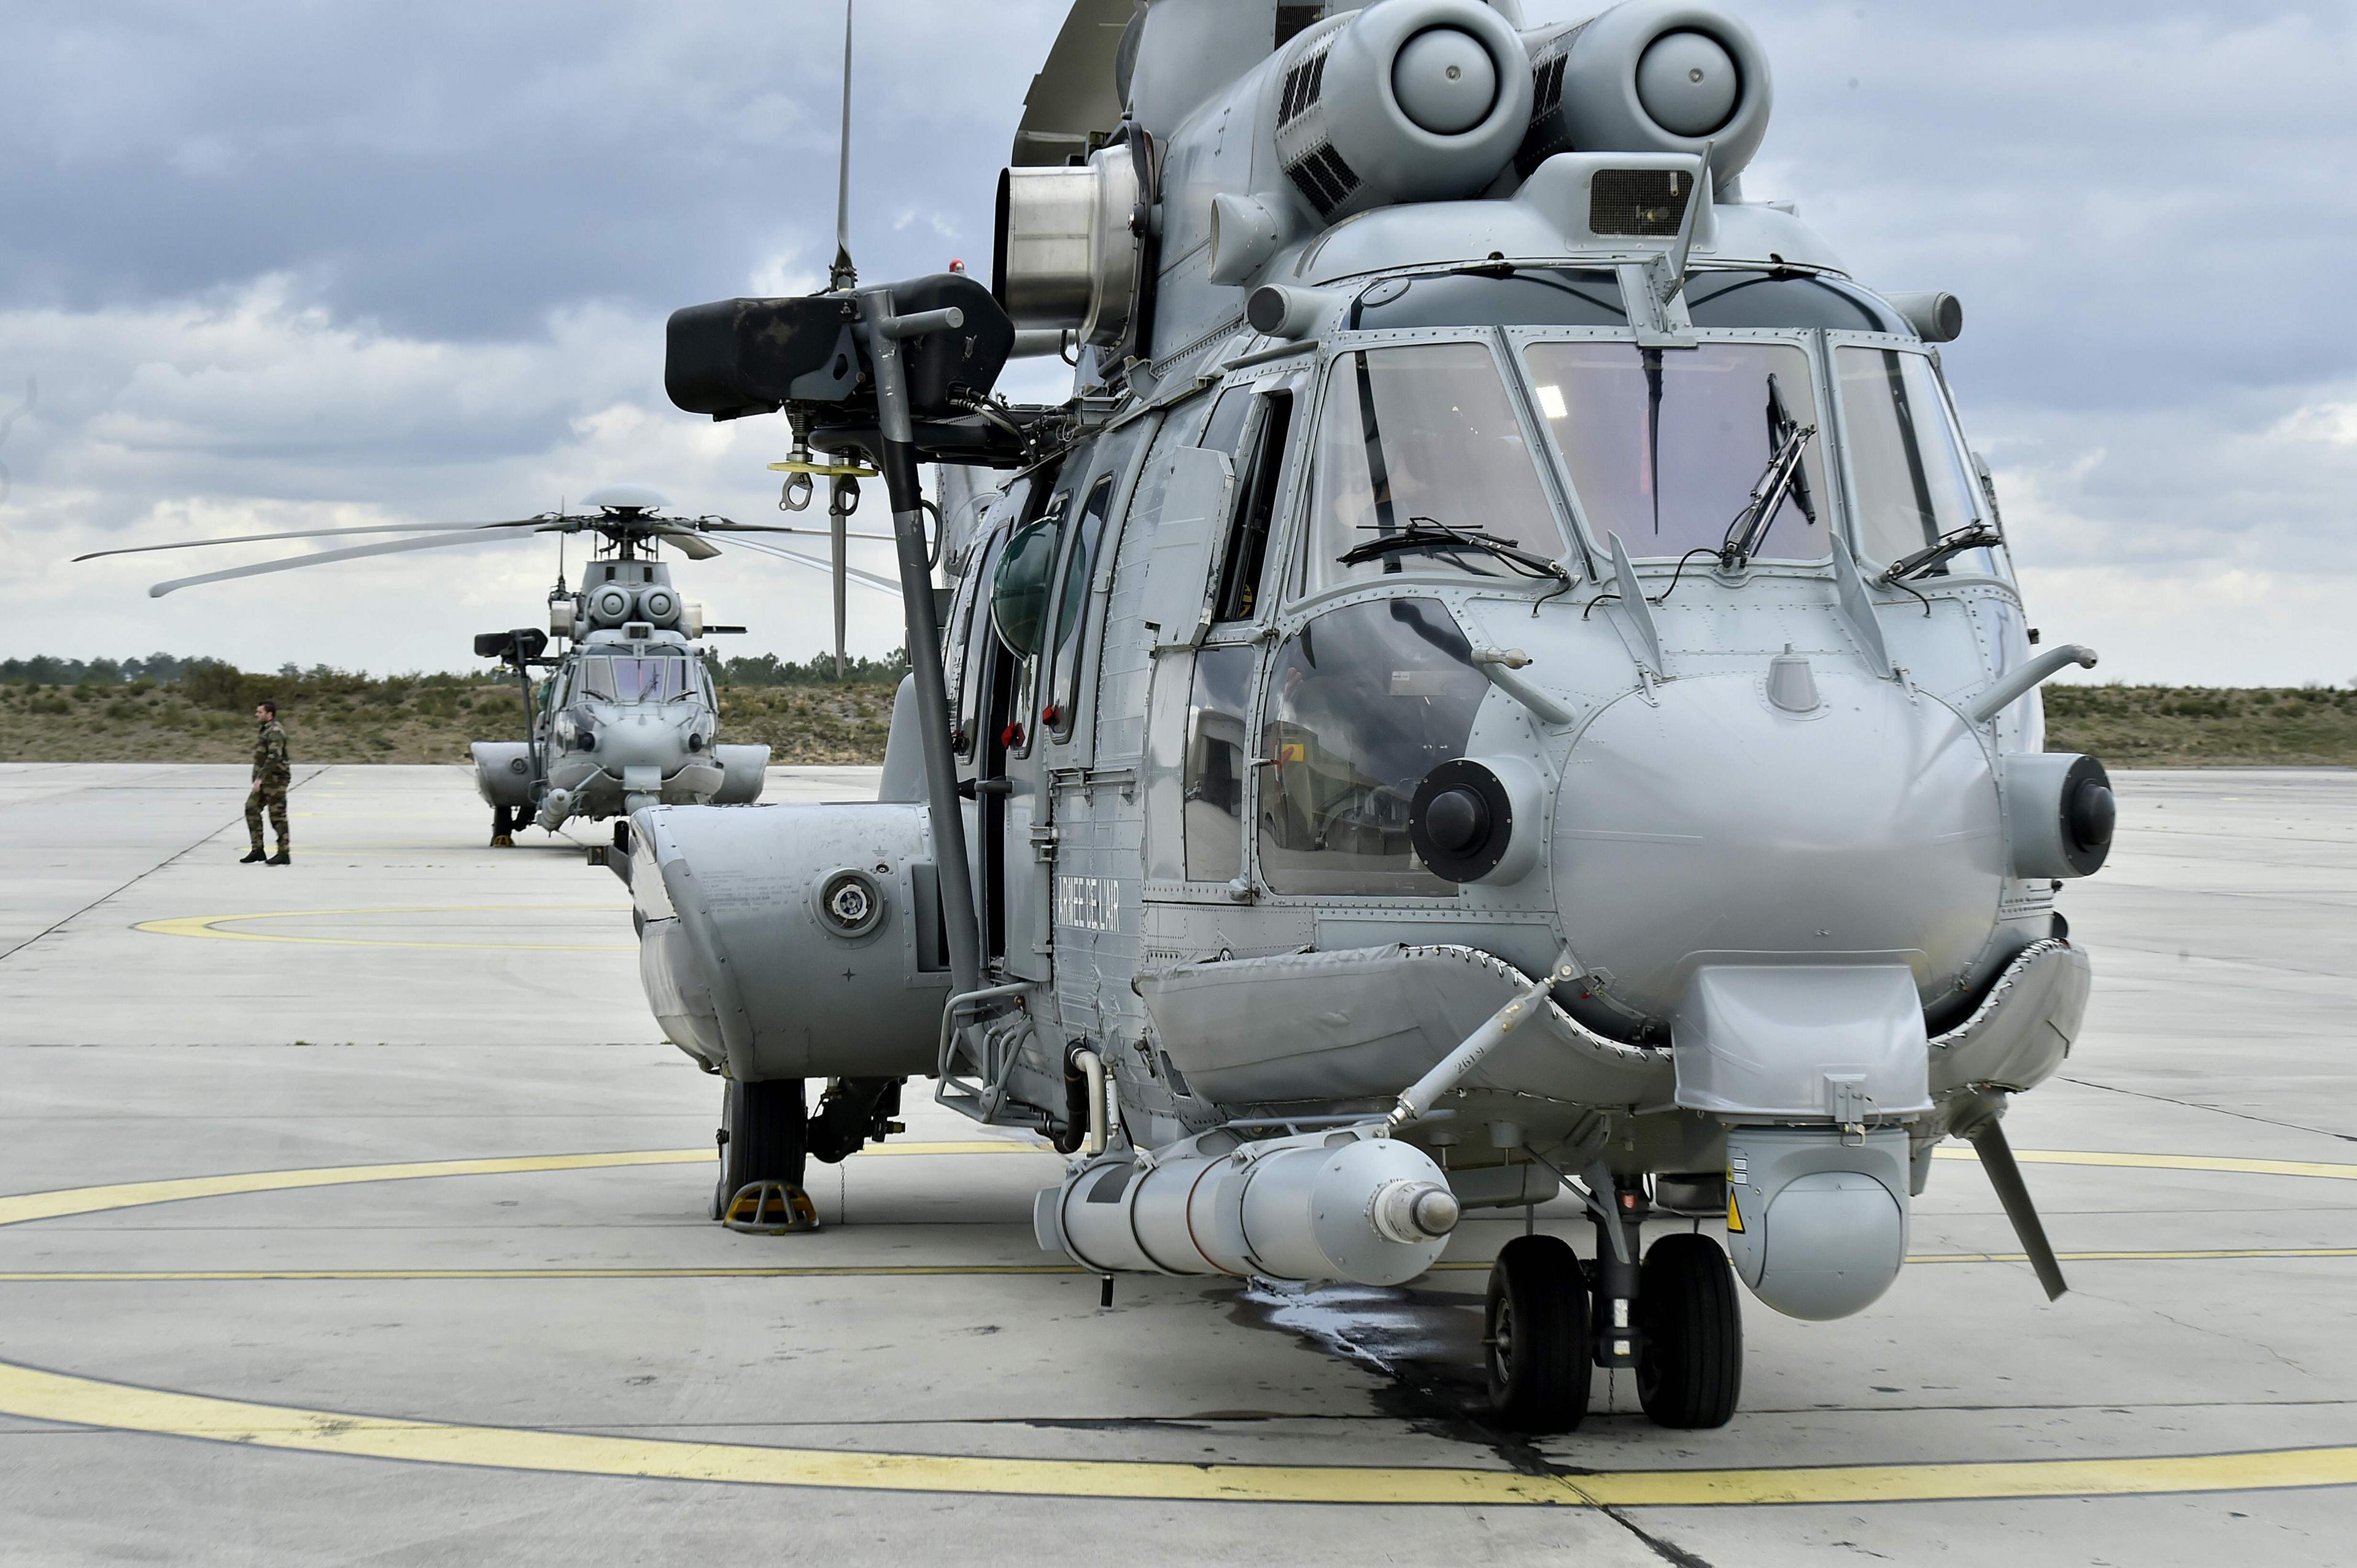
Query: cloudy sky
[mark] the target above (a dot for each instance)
(287, 263)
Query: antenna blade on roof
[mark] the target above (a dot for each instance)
(843, 275)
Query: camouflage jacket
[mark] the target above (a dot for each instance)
(270, 761)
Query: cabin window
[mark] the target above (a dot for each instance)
(1362, 703)
(1217, 764)
(971, 653)
(1065, 649)
(1912, 482)
(1420, 432)
(1246, 555)
(1663, 446)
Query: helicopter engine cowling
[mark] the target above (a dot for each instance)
(793, 942)
(1649, 76)
(610, 606)
(1409, 101)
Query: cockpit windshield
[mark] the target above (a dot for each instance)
(638, 680)
(1664, 446)
(1422, 432)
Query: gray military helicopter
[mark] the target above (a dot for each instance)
(1504, 679)
(625, 715)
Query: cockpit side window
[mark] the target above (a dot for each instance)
(1913, 484)
(1065, 647)
(1246, 556)
(1421, 432)
(1663, 446)
(1362, 703)
(1216, 763)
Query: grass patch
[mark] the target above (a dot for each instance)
(2205, 726)
(399, 721)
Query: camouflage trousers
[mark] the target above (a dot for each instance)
(272, 795)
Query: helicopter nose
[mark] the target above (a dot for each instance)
(639, 740)
(1725, 819)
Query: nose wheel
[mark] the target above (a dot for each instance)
(764, 1141)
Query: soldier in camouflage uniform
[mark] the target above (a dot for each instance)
(271, 773)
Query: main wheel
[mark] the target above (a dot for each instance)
(1690, 1366)
(769, 1137)
(1534, 1329)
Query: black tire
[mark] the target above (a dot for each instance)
(1534, 1335)
(768, 1136)
(1690, 1366)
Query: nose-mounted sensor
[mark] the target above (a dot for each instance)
(1461, 820)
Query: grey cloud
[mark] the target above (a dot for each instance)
(277, 264)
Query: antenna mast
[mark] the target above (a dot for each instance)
(843, 275)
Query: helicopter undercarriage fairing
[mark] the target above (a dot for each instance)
(1505, 679)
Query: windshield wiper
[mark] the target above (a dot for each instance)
(1780, 424)
(1425, 534)
(1971, 536)
(1752, 524)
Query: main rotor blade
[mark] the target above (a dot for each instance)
(786, 528)
(323, 557)
(877, 581)
(692, 544)
(316, 533)
(2005, 1174)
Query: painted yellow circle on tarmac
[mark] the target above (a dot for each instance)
(39, 1394)
(217, 927)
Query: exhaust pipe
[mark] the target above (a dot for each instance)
(1341, 1204)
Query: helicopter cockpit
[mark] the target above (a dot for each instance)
(1419, 422)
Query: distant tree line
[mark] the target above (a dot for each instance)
(43, 671)
(217, 683)
(818, 670)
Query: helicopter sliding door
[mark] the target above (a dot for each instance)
(1201, 773)
(1021, 582)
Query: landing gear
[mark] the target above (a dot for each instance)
(850, 1114)
(1535, 1330)
(764, 1139)
(1673, 1318)
(1690, 1363)
(503, 826)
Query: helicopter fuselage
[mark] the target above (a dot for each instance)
(626, 715)
(1505, 674)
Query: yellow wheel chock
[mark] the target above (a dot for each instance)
(771, 1208)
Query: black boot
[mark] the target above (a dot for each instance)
(253, 856)
(282, 857)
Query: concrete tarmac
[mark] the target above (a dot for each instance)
(535, 1348)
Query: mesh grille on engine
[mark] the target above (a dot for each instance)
(1548, 133)
(1637, 201)
(1324, 178)
(1302, 85)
